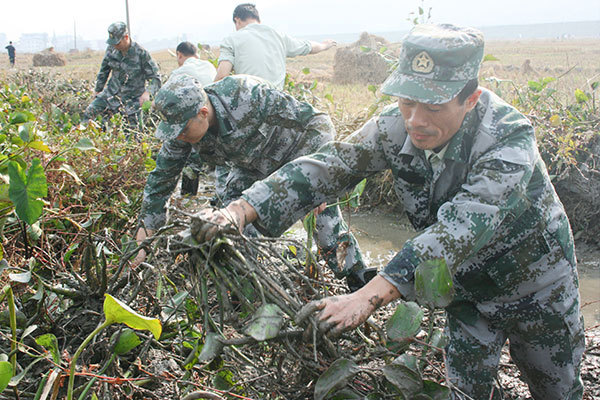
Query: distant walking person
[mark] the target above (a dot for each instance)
(129, 66)
(257, 49)
(11, 53)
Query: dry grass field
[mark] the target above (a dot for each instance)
(573, 62)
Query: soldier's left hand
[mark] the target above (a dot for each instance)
(144, 98)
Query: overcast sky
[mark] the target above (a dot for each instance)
(209, 21)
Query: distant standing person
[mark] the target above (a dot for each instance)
(257, 49)
(190, 64)
(11, 53)
(129, 66)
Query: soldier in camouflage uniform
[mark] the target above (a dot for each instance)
(129, 66)
(245, 122)
(467, 169)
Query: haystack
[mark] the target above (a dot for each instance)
(361, 62)
(48, 58)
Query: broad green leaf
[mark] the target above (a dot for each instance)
(127, 341)
(336, 377)
(69, 252)
(50, 343)
(595, 85)
(435, 391)
(20, 117)
(85, 144)
(438, 338)
(405, 378)
(433, 283)
(580, 96)
(535, 86)
(545, 81)
(306, 70)
(372, 88)
(23, 277)
(146, 106)
(69, 170)
(24, 191)
(39, 145)
(489, 57)
(365, 49)
(329, 97)
(405, 322)
(6, 372)
(115, 311)
(555, 120)
(149, 164)
(25, 131)
(265, 323)
(212, 347)
(357, 192)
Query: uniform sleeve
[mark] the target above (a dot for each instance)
(495, 189)
(227, 50)
(295, 47)
(162, 181)
(102, 74)
(151, 72)
(299, 186)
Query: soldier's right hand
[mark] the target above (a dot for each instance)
(210, 222)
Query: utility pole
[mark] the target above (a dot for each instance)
(74, 34)
(127, 14)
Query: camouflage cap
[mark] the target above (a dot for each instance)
(177, 102)
(435, 63)
(116, 31)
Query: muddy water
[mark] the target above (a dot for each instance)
(381, 234)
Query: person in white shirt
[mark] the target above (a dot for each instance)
(259, 50)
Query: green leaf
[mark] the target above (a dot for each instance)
(336, 377)
(435, 391)
(115, 311)
(265, 323)
(405, 322)
(357, 192)
(24, 191)
(20, 117)
(365, 49)
(580, 96)
(146, 106)
(85, 144)
(372, 88)
(50, 343)
(25, 132)
(433, 283)
(212, 347)
(438, 338)
(489, 57)
(535, 86)
(405, 378)
(306, 70)
(128, 340)
(329, 97)
(595, 85)
(6, 373)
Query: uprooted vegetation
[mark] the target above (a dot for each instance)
(228, 309)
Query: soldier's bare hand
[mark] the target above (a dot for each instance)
(210, 222)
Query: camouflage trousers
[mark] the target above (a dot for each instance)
(331, 231)
(129, 107)
(545, 335)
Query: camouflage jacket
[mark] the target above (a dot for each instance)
(129, 73)
(258, 129)
(491, 211)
